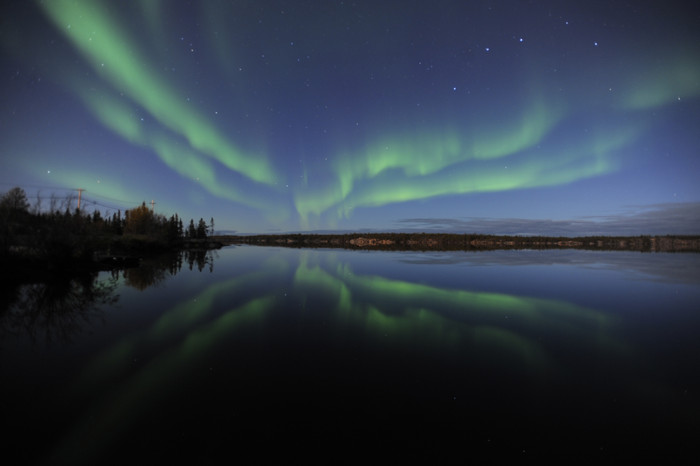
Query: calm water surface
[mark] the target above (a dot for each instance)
(293, 351)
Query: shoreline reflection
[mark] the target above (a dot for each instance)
(311, 336)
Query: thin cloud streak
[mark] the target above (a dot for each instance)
(657, 219)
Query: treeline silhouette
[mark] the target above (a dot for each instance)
(61, 235)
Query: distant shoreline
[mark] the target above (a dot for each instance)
(467, 242)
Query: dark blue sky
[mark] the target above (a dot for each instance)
(501, 117)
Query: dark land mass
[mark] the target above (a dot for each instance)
(468, 242)
(60, 240)
(104, 253)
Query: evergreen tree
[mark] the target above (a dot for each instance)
(191, 230)
(202, 229)
(116, 227)
(172, 228)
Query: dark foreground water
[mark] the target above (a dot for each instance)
(336, 355)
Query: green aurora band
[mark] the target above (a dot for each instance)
(392, 166)
(473, 159)
(408, 314)
(665, 81)
(408, 169)
(119, 61)
(192, 331)
(145, 387)
(121, 118)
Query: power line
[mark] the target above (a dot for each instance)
(63, 188)
(96, 203)
(68, 195)
(112, 199)
(85, 198)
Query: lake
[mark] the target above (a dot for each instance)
(336, 354)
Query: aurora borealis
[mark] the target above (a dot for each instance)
(496, 117)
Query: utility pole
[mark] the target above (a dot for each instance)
(153, 203)
(80, 192)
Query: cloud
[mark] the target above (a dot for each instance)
(657, 219)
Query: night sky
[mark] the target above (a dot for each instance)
(505, 117)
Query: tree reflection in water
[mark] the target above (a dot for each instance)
(154, 270)
(199, 257)
(55, 308)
